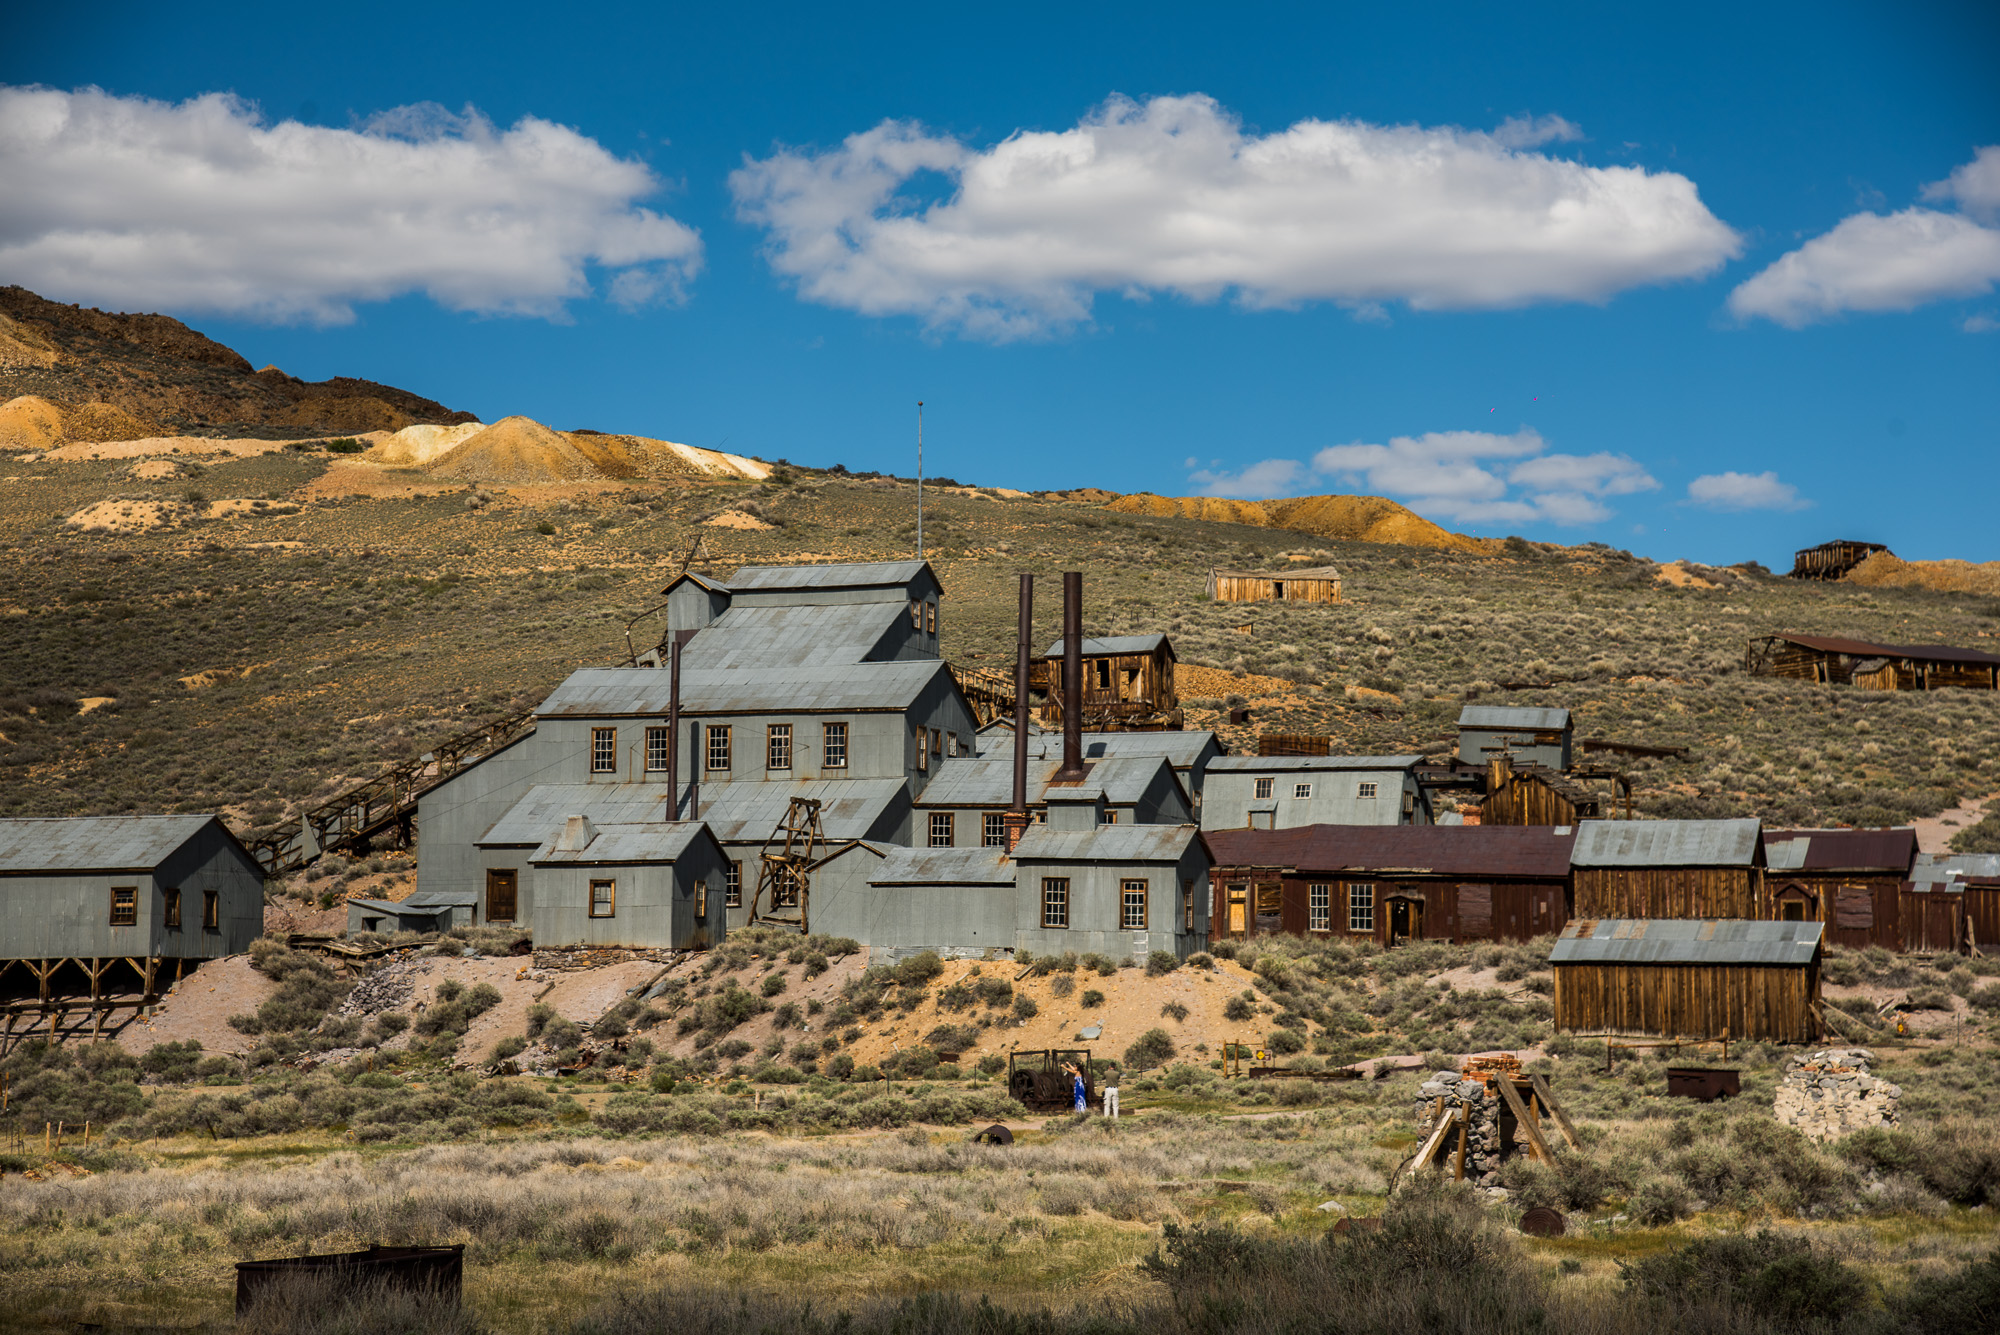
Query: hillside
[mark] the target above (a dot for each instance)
(1887, 570)
(99, 375)
(1340, 518)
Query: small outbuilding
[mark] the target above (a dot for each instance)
(1833, 661)
(1307, 584)
(656, 886)
(1831, 560)
(1850, 880)
(1526, 736)
(1689, 978)
(1128, 682)
(1669, 869)
(424, 911)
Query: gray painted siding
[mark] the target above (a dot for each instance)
(53, 916)
(954, 920)
(654, 908)
(1477, 744)
(840, 890)
(1095, 901)
(454, 815)
(1229, 797)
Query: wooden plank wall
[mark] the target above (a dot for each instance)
(1859, 911)
(1525, 800)
(1689, 1001)
(1982, 917)
(1453, 911)
(1932, 921)
(1669, 892)
(1246, 589)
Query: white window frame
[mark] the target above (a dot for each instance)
(1361, 906)
(943, 823)
(1367, 790)
(777, 746)
(1055, 902)
(1263, 789)
(657, 746)
(833, 746)
(1302, 790)
(718, 748)
(609, 904)
(1133, 892)
(732, 885)
(604, 750)
(993, 830)
(1319, 907)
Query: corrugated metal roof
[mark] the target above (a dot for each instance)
(699, 580)
(1687, 941)
(441, 899)
(1291, 764)
(945, 866)
(1500, 716)
(1102, 645)
(805, 688)
(1303, 572)
(1932, 653)
(93, 843)
(1181, 749)
(1460, 851)
(1106, 843)
(380, 905)
(1666, 843)
(849, 807)
(1890, 850)
(660, 842)
(986, 781)
(852, 575)
(791, 635)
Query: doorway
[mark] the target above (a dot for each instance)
(502, 897)
(1406, 919)
(1239, 909)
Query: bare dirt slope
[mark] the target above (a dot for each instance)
(199, 1007)
(1885, 569)
(1342, 518)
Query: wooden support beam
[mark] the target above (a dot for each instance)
(1541, 1084)
(1535, 1141)
(1435, 1140)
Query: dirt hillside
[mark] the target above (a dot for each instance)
(29, 423)
(416, 446)
(515, 450)
(1342, 518)
(1885, 569)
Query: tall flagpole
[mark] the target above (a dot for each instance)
(920, 479)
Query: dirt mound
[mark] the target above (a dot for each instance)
(1886, 570)
(415, 446)
(23, 346)
(363, 412)
(516, 450)
(30, 423)
(127, 516)
(1343, 518)
(97, 423)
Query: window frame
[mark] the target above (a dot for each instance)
(1128, 888)
(923, 749)
(1361, 906)
(1367, 790)
(124, 906)
(658, 745)
(1111, 815)
(947, 823)
(1319, 906)
(1302, 792)
(930, 616)
(1263, 788)
(211, 911)
(1055, 903)
(604, 750)
(833, 745)
(701, 898)
(777, 748)
(718, 743)
(1187, 906)
(917, 613)
(732, 884)
(610, 901)
(993, 829)
(170, 907)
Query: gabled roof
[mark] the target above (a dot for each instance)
(1884, 851)
(655, 843)
(851, 575)
(96, 843)
(1181, 749)
(790, 635)
(1461, 851)
(801, 688)
(1929, 653)
(850, 808)
(696, 578)
(1687, 941)
(1106, 843)
(1099, 646)
(441, 899)
(1667, 843)
(1301, 572)
(1500, 716)
(944, 866)
(988, 781)
(1303, 764)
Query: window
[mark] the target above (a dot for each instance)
(930, 618)
(941, 824)
(502, 894)
(1111, 815)
(1302, 790)
(1055, 901)
(172, 895)
(604, 750)
(1132, 905)
(1264, 788)
(951, 743)
(993, 830)
(1361, 908)
(923, 749)
(1103, 667)
(656, 748)
(937, 741)
(778, 746)
(1319, 908)
(917, 613)
(211, 911)
(732, 885)
(603, 899)
(1365, 789)
(124, 905)
(833, 746)
(718, 746)
(1187, 906)
(701, 896)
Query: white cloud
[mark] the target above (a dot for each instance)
(1744, 491)
(1172, 196)
(1980, 324)
(203, 205)
(1468, 476)
(1534, 131)
(1870, 262)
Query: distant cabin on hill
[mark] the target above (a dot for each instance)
(1311, 584)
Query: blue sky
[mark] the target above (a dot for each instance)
(1701, 281)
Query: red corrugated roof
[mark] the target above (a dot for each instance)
(1470, 851)
(1934, 653)
(1893, 850)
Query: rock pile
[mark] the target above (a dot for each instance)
(1829, 1094)
(1493, 1129)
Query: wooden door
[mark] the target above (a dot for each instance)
(1239, 909)
(502, 894)
(1406, 919)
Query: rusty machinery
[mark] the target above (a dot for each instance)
(795, 849)
(1036, 1078)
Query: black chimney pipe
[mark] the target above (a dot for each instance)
(1072, 678)
(674, 729)
(1017, 815)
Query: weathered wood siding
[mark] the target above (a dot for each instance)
(1452, 910)
(1932, 921)
(1669, 892)
(1982, 916)
(1859, 911)
(1689, 1001)
(1114, 686)
(1226, 587)
(1525, 800)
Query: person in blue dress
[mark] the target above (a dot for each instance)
(1079, 1088)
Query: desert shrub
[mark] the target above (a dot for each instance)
(1240, 1008)
(511, 1046)
(539, 1016)
(773, 984)
(1659, 1201)
(1063, 985)
(49, 1082)
(172, 1063)
(1201, 960)
(1175, 1011)
(346, 445)
(1284, 1042)
(1956, 1160)
(994, 991)
(991, 1064)
(1153, 1048)
(1779, 1279)
(1951, 1304)
(919, 968)
(1102, 964)
(1091, 999)
(1025, 1007)
(1161, 962)
(951, 1039)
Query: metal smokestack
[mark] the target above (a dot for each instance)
(1017, 815)
(674, 729)
(1072, 678)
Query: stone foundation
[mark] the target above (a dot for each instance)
(1495, 1136)
(1830, 1094)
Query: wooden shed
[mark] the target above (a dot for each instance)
(1695, 979)
(1522, 794)
(1831, 560)
(1669, 869)
(1390, 883)
(1850, 880)
(1876, 667)
(1128, 682)
(1312, 584)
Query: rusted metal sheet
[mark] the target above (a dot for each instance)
(1882, 851)
(1702, 1083)
(437, 1272)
